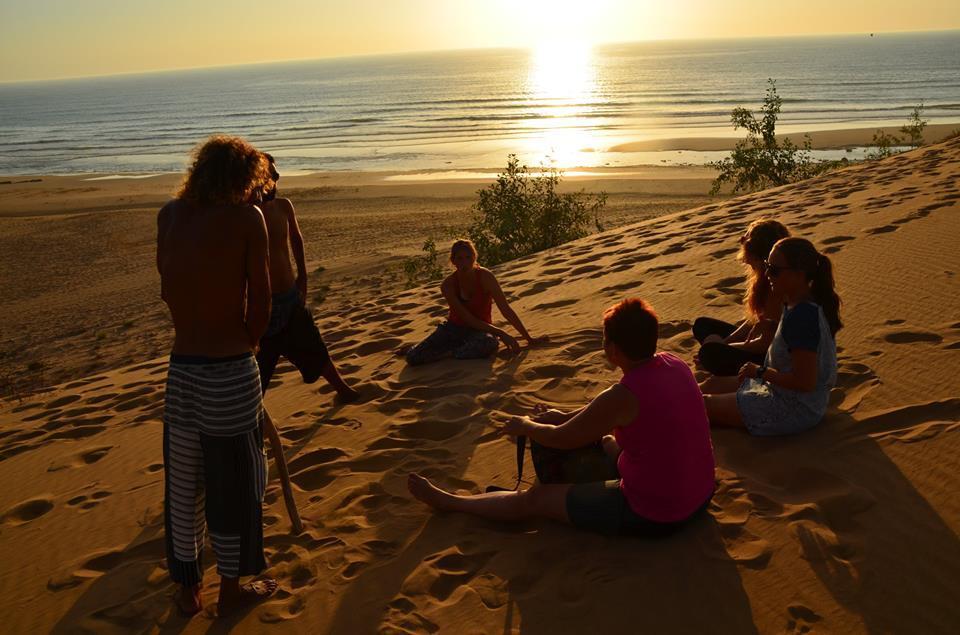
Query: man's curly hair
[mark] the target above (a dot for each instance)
(225, 171)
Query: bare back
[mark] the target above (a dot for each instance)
(204, 260)
(277, 213)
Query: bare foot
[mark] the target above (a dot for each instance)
(426, 492)
(188, 600)
(234, 597)
(347, 395)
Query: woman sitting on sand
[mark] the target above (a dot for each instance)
(725, 348)
(468, 332)
(789, 392)
(661, 442)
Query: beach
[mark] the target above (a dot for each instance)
(849, 528)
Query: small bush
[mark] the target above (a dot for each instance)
(423, 268)
(522, 213)
(761, 160)
(913, 131)
(883, 145)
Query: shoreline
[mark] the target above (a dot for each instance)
(821, 140)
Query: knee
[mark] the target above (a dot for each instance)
(413, 357)
(700, 330)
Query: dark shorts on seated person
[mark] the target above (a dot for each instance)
(453, 340)
(601, 507)
(293, 334)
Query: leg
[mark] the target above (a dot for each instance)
(723, 359)
(267, 358)
(344, 392)
(704, 327)
(717, 385)
(235, 478)
(438, 345)
(540, 501)
(303, 345)
(723, 411)
(476, 345)
(184, 523)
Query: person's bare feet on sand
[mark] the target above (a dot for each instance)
(348, 395)
(188, 600)
(234, 597)
(426, 492)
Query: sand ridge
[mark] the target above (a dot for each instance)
(852, 527)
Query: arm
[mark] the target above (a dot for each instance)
(543, 414)
(741, 334)
(163, 224)
(614, 407)
(469, 318)
(803, 378)
(760, 342)
(490, 284)
(296, 245)
(258, 277)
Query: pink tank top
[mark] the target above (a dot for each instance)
(666, 467)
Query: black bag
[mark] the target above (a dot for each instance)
(579, 465)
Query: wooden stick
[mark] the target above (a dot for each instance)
(281, 462)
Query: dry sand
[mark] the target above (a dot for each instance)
(850, 528)
(77, 256)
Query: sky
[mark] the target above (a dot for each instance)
(50, 39)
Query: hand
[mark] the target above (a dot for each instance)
(517, 426)
(538, 341)
(543, 414)
(697, 363)
(302, 288)
(748, 371)
(713, 338)
(510, 342)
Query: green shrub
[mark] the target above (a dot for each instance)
(883, 145)
(913, 130)
(425, 267)
(523, 213)
(761, 160)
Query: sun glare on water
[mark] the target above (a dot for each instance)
(562, 85)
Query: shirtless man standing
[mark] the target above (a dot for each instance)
(292, 332)
(214, 270)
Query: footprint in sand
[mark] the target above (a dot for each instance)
(88, 456)
(88, 502)
(27, 511)
(800, 619)
(912, 337)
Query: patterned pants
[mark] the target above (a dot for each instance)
(453, 340)
(215, 472)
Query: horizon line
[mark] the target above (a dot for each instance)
(181, 69)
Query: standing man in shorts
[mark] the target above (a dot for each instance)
(292, 332)
(214, 277)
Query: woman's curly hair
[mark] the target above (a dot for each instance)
(226, 171)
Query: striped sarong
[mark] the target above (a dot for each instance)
(215, 471)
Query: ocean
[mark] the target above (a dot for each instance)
(458, 110)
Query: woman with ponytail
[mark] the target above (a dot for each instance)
(725, 347)
(789, 392)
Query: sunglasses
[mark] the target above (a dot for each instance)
(775, 270)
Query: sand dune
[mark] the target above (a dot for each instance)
(850, 528)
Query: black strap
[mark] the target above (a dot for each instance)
(521, 449)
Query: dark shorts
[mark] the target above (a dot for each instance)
(602, 508)
(300, 342)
